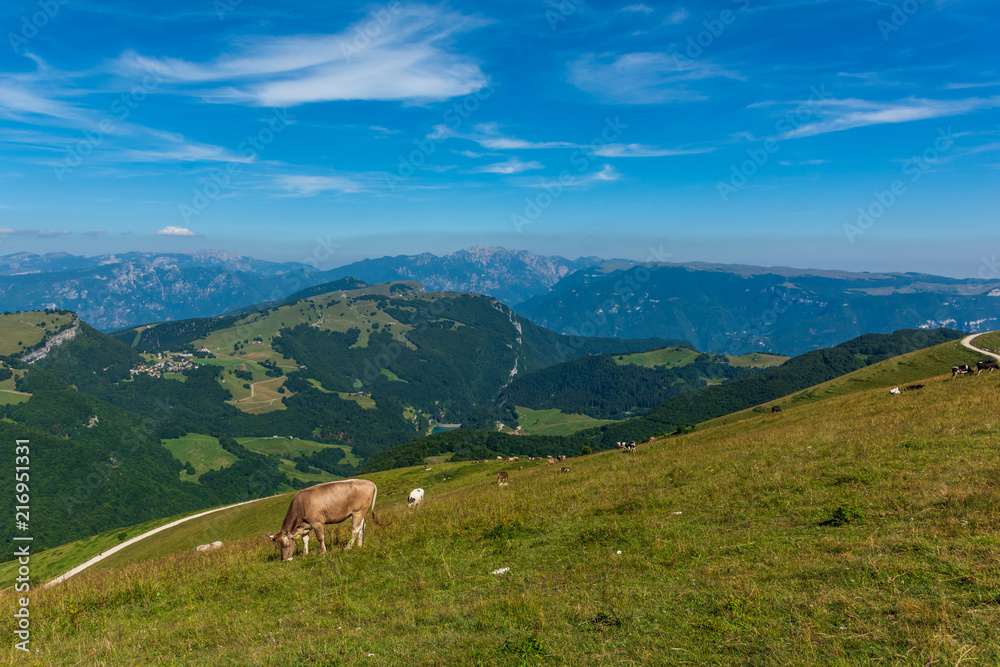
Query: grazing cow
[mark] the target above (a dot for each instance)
(551, 462)
(989, 365)
(894, 390)
(416, 497)
(911, 387)
(564, 469)
(502, 478)
(775, 408)
(964, 369)
(561, 457)
(629, 448)
(332, 502)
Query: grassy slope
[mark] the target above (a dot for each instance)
(554, 422)
(291, 448)
(727, 557)
(203, 451)
(668, 356)
(757, 360)
(23, 328)
(899, 371)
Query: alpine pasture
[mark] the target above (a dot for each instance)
(857, 529)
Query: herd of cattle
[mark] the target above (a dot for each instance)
(965, 369)
(335, 502)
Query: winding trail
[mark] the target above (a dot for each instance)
(97, 559)
(967, 342)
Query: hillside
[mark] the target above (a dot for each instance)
(621, 386)
(681, 413)
(184, 415)
(737, 309)
(856, 529)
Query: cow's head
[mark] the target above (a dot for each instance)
(285, 541)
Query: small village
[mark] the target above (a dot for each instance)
(176, 363)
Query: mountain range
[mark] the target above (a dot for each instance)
(731, 309)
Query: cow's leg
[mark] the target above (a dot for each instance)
(361, 535)
(305, 544)
(356, 524)
(320, 536)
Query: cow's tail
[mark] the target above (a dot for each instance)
(372, 510)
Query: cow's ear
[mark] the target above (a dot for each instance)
(270, 537)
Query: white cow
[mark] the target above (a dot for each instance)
(416, 497)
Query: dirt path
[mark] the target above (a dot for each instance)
(967, 342)
(252, 389)
(97, 559)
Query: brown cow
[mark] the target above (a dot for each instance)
(332, 502)
(502, 478)
(775, 408)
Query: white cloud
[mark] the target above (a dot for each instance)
(643, 78)
(512, 166)
(642, 8)
(488, 136)
(408, 59)
(639, 150)
(308, 186)
(677, 17)
(6, 230)
(847, 114)
(605, 175)
(175, 231)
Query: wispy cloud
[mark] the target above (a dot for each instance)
(41, 233)
(407, 60)
(512, 166)
(309, 186)
(638, 150)
(642, 8)
(846, 114)
(606, 174)
(676, 17)
(962, 86)
(643, 78)
(489, 136)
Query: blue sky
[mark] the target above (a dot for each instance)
(855, 135)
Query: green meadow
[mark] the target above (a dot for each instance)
(854, 527)
(554, 422)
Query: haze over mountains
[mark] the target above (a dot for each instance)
(720, 308)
